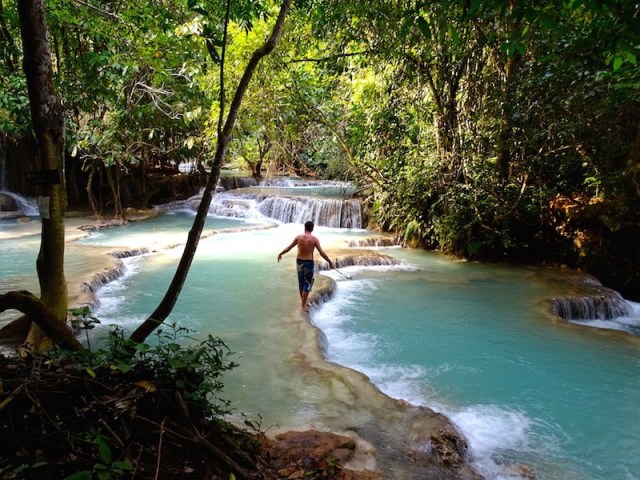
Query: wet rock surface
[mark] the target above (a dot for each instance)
(315, 454)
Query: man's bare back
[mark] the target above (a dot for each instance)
(306, 244)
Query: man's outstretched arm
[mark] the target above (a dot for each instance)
(293, 244)
(324, 255)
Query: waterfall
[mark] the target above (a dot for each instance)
(336, 213)
(234, 205)
(99, 280)
(375, 242)
(331, 209)
(134, 252)
(604, 306)
(337, 187)
(232, 183)
(369, 259)
(28, 206)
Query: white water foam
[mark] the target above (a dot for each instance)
(114, 295)
(629, 323)
(255, 205)
(494, 432)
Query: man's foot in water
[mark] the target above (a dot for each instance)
(305, 308)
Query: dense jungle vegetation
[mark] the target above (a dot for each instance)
(495, 129)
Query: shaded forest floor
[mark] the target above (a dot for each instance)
(61, 422)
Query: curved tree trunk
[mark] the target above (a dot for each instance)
(41, 315)
(173, 292)
(48, 125)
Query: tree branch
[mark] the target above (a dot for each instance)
(332, 57)
(171, 296)
(41, 314)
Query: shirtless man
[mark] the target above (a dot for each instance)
(304, 261)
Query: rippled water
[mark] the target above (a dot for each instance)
(477, 343)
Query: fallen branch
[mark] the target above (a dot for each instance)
(11, 396)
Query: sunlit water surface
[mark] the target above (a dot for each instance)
(473, 341)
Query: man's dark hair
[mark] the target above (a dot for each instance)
(308, 226)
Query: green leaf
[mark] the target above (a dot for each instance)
(424, 27)
(104, 450)
(617, 63)
(91, 373)
(123, 367)
(104, 475)
(123, 465)
(631, 58)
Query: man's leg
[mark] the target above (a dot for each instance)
(305, 280)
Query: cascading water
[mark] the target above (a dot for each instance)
(9, 201)
(599, 307)
(25, 206)
(323, 212)
(296, 202)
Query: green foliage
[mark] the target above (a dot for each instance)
(472, 120)
(14, 105)
(194, 370)
(81, 319)
(107, 468)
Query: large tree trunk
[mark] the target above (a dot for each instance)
(173, 292)
(48, 125)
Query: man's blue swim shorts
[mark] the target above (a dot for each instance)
(305, 274)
